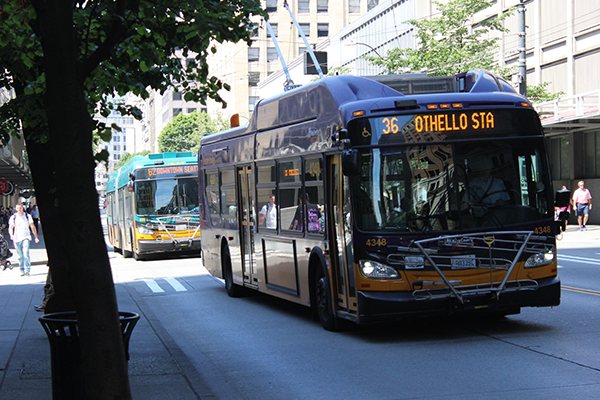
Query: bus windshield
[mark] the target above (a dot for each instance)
(167, 196)
(452, 186)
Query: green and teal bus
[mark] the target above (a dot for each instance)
(152, 205)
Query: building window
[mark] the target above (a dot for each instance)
(272, 54)
(306, 29)
(275, 29)
(372, 4)
(559, 157)
(591, 160)
(322, 6)
(271, 6)
(254, 31)
(303, 6)
(253, 54)
(190, 110)
(354, 6)
(252, 100)
(165, 116)
(176, 95)
(177, 111)
(323, 30)
(253, 78)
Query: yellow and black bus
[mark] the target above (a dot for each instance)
(152, 205)
(384, 205)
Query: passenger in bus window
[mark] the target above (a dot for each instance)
(313, 216)
(322, 219)
(298, 221)
(267, 216)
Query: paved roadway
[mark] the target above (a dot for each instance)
(208, 345)
(263, 348)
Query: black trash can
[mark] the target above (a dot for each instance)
(65, 352)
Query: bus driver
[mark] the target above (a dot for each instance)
(487, 190)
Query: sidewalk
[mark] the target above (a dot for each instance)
(573, 238)
(158, 369)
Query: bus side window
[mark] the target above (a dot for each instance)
(315, 211)
(229, 211)
(267, 215)
(292, 217)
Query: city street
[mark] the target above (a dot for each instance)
(213, 346)
(263, 348)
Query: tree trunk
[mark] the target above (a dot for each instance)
(77, 252)
(43, 172)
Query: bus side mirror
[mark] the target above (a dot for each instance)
(562, 198)
(350, 163)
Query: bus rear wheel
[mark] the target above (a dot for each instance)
(323, 301)
(232, 289)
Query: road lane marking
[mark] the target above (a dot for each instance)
(153, 286)
(580, 290)
(176, 285)
(584, 260)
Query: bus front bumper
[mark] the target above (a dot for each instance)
(386, 306)
(164, 246)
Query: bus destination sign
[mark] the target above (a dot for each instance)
(442, 125)
(443, 122)
(166, 171)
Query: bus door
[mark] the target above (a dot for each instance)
(248, 223)
(342, 255)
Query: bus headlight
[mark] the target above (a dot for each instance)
(142, 230)
(375, 270)
(540, 259)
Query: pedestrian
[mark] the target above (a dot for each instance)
(19, 226)
(35, 215)
(268, 214)
(582, 204)
(566, 210)
(48, 292)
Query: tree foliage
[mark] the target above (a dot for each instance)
(64, 61)
(539, 93)
(128, 156)
(122, 47)
(447, 44)
(186, 130)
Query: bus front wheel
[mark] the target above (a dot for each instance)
(232, 289)
(323, 300)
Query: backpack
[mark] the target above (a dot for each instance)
(13, 218)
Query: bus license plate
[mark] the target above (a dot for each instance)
(467, 261)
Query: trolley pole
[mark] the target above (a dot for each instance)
(522, 50)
